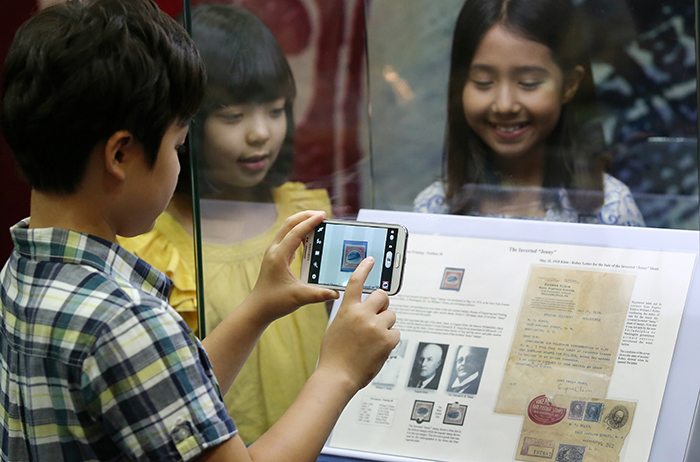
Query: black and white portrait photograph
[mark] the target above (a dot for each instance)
(467, 370)
(427, 366)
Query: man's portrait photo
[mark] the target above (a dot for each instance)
(427, 366)
(468, 369)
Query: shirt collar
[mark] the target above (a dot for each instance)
(65, 246)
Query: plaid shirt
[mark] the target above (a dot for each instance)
(95, 364)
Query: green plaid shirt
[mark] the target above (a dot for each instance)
(95, 364)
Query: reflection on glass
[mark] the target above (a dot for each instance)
(633, 130)
(521, 108)
(244, 132)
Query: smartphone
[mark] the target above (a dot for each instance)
(336, 247)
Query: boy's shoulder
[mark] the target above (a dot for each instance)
(85, 315)
(74, 285)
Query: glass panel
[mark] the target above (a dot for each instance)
(279, 132)
(641, 55)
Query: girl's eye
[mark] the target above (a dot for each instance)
(482, 83)
(277, 112)
(181, 149)
(232, 117)
(530, 85)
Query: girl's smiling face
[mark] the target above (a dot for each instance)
(241, 142)
(514, 93)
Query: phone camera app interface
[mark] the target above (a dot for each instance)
(339, 249)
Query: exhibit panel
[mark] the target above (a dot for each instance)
(587, 339)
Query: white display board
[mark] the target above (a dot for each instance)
(675, 407)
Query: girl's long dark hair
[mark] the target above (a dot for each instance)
(244, 64)
(575, 156)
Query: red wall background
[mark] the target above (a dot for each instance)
(14, 191)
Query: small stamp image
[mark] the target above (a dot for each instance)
(422, 411)
(570, 453)
(455, 413)
(617, 417)
(353, 253)
(452, 279)
(593, 412)
(537, 447)
(576, 410)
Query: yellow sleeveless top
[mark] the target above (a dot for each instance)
(287, 351)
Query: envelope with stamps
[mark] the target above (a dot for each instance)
(566, 428)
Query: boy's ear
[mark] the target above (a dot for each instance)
(120, 149)
(571, 83)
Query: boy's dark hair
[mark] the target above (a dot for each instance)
(78, 72)
(245, 64)
(576, 154)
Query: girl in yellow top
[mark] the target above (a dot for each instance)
(245, 132)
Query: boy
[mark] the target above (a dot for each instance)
(96, 97)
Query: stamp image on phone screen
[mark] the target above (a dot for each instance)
(353, 253)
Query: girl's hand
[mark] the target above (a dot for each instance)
(278, 291)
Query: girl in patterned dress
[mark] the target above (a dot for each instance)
(522, 139)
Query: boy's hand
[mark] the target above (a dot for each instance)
(279, 291)
(360, 338)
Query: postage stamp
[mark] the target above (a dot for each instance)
(537, 447)
(353, 253)
(455, 413)
(422, 411)
(617, 417)
(452, 279)
(593, 412)
(576, 410)
(570, 453)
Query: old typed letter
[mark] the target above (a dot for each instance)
(567, 335)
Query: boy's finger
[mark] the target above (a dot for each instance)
(290, 240)
(357, 279)
(387, 318)
(379, 299)
(293, 221)
(319, 294)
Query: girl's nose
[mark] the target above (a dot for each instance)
(506, 101)
(258, 131)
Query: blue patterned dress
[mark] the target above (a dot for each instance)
(619, 207)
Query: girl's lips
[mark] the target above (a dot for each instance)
(509, 131)
(254, 163)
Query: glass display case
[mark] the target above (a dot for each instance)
(517, 132)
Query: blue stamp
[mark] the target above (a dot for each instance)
(576, 410)
(422, 411)
(593, 412)
(570, 453)
(353, 253)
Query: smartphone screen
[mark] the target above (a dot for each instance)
(337, 248)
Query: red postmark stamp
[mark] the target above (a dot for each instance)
(542, 412)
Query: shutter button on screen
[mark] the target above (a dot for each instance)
(387, 259)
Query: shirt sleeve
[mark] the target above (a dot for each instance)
(431, 200)
(150, 385)
(619, 207)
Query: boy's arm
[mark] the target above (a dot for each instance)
(356, 345)
(277, 292)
